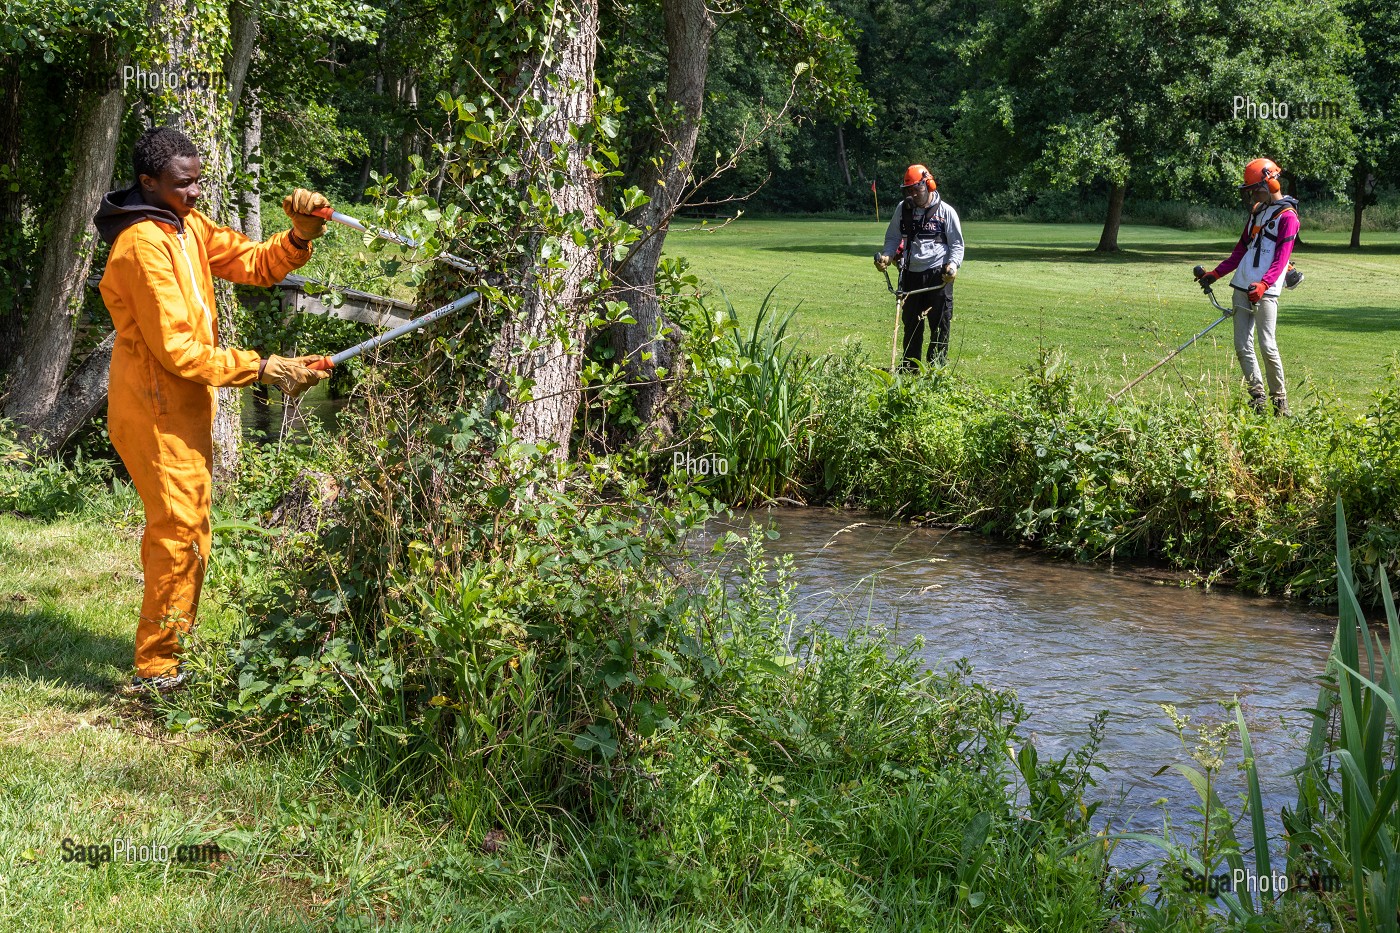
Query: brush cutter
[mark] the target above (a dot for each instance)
(327, 213)
(899, 311)
(1224, 313)
(465, 301)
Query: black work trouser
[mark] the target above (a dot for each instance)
(936, 305)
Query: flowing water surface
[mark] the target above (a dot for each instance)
(1073, 640)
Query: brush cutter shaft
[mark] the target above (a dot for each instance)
(397, 332)
(1172, 355)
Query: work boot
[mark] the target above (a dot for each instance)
(1281, 407)
(171, 682)
(1258, 400)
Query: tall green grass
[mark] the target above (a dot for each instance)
(749, 408)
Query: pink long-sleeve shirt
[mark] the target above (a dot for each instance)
(1288, 227)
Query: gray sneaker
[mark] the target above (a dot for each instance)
(1281, 407)
(172, 682)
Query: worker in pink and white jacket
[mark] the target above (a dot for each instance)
(1260, 261)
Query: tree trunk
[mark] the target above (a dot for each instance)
(542, 344)
(84, 394)
(59, 293)
(198, 37)
(841, 155)
(1358, 204)
(408, 142)
(252, 168)
(1108, 242)
(244, 29)
(14, 258)
(647, 348)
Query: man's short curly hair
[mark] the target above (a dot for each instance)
(156, 147)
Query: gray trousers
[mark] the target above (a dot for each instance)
(1264, 317)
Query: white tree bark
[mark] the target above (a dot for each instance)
(543, 342)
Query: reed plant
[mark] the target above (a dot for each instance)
(1347, 817)
(750, 409)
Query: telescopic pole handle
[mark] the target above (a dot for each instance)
(408, 328)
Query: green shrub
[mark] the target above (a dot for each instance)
(48, 487)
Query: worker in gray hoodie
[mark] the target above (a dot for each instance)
(925, 236)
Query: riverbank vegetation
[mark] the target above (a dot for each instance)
(511, 709)
(1199, 484)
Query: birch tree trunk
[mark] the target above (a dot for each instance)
(58, 296)
(252, 167)
(647, 348)
(540, 347)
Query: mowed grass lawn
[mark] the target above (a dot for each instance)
(1023, 286)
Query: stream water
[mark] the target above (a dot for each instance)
(1074, 640)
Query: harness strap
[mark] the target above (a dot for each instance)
(1259, 234)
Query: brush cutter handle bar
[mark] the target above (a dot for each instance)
(1169, 357)
(1218, 306)
(408, 328)
(327, 213)
(920, 291)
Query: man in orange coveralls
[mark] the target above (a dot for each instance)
(167, 361)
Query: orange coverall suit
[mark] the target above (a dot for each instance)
(160, 407)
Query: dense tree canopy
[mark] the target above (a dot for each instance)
(790, 105)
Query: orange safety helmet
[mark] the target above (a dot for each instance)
(916, 174)
(1260, 172)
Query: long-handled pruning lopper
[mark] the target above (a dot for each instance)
(438, 314)
(329, 213)
(1224, 313)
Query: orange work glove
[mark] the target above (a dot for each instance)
(299, 205)
(1256, 292)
